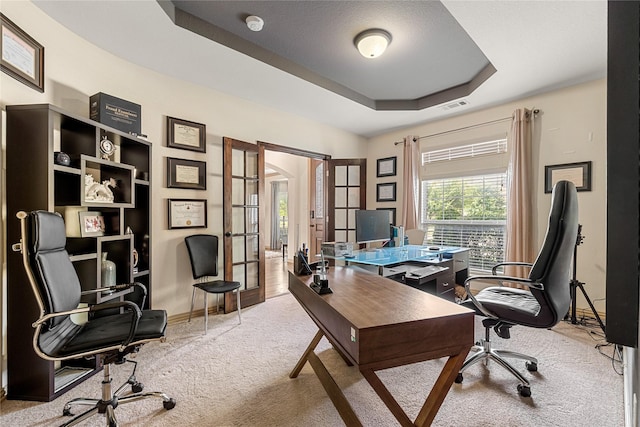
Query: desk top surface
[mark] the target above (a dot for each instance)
(373, 318)
(395, 255)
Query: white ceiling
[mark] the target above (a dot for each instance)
(536, 46)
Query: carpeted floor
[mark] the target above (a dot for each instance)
(237, 375)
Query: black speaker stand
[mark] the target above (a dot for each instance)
(574, 284)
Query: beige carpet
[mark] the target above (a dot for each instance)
(237, 375)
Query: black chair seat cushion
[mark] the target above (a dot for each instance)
(217, 286)
(103, 332)
(509, 304)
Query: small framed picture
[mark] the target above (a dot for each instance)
(22, 57)
(386, 192)
(578, 173)
(182, 173)
(91, 224)
(186, 135)
(392, 214)
(386, 167)
(187, 213)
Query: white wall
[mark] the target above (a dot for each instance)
(571, 127)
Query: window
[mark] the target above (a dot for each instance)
(469, 212)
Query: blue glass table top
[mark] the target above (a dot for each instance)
(384, 256)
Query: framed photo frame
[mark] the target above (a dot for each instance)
(386, 192)
(186, 135)
(392, 214)
(187, 213)
(91, 224)
(182, 173)
(579, 173)
(386, 166)
(21, 56)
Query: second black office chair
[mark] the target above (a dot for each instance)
(547, 299)
(203, 253)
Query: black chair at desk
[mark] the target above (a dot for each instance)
(547, 299)
(107, 334)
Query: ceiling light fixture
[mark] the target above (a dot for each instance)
(255, 23)
(372, 43)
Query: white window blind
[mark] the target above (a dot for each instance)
(468, 212)
(497, 146)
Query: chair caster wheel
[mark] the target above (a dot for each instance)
(113, 423)
(137, 387)
(169, 404)
(67, 412)
(459, 379)
(524, 390)
(531, 366)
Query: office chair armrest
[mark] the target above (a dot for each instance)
(500, 279)
(115, 288)
(50, 316)
(510, 263)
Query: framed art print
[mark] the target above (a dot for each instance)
(578, 173)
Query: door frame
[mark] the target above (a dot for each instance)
(298, 152)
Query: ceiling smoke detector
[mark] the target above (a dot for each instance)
(255, 23)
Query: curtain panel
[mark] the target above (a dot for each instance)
(411, 183)
(519, 229)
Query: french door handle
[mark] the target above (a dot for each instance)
(227, 234)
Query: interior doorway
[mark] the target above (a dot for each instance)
(288, 211)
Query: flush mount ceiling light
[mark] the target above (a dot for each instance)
(255, 23)
(372, 43)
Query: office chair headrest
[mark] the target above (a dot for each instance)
(47, 231)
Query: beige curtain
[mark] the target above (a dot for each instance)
(519, 232)
(411, 180)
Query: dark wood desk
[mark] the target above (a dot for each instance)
(376, 323)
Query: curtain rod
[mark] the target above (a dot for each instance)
(504, 119)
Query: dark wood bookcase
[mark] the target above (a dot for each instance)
(34, 181)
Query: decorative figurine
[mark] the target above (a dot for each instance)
(96, 192)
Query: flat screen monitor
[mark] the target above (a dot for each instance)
(372, 226)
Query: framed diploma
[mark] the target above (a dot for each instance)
(187, 213)
(386, 167)
(386, 192)
(182, 173)
(22, 57)
(578, 173)
(186, 135)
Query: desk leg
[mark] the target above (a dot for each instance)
(333, 391)
(441, 388)
(305, 356)
(432, 403)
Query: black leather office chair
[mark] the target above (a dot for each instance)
(547, 299)
(110, 337)
(203, 253)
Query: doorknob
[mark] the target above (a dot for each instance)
(227, 234)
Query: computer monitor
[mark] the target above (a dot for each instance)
(372, 226)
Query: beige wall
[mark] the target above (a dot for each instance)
(571, 127)
(75, 70)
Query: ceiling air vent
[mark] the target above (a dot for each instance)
(453, 105)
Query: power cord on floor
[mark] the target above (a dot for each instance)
(592, 328)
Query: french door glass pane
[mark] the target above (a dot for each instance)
(354, 175)
(341, 197)
(340, 175)
(354, 197)
(341, 218)
(237, 162)
(237, 191)
(238, 226)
